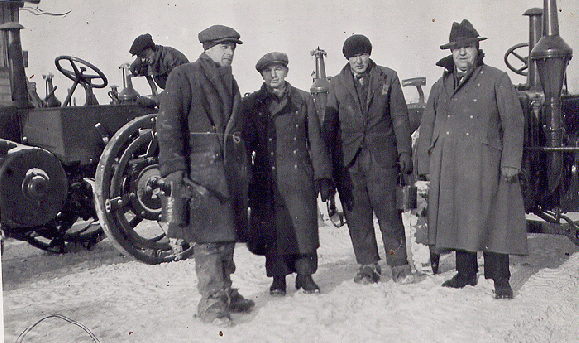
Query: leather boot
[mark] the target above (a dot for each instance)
(305, 282)
(461, 280)
(278, 286)
(503, 289)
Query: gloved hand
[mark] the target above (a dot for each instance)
(138, 68)
(144, 101)
(405, 161)
(509, 174)
(326, 188)
(175, 178)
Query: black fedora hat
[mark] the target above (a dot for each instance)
(461, 34)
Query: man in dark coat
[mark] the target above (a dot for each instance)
(195, 126)
(470, 146)
(154, 62)
(367, 129)
(289, 165)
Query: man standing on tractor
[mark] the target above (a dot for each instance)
(197, 117)
(155, 62)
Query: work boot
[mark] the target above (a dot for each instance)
(368, 273)
(403, 275)
(238, 304)
(278, 286)
(215, 310)
(306, 283)
(503, 289)
(461, 280)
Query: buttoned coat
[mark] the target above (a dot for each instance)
(198, 133)
(466, 136)
(284, 139)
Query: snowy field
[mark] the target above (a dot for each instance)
(117, 299)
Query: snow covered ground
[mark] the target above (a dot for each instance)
(117, 299)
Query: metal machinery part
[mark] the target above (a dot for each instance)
(35, 201)
(128, 209)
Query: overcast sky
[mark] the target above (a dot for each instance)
(406, 34)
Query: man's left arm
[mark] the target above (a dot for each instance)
(513, 124)
(401, 124)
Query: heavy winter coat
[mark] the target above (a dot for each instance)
(468, 133)
(196, 128)
(284, 137)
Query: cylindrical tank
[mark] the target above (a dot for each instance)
(33, 185)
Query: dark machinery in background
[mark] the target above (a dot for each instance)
(550, 179)
(50, 153)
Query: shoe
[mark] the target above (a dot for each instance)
(306, 283)
(368, 274)
(215, 310)
(503, 289)
(403, 275)
(278, 286)
(434, 262)
(238, 304)
(460, 280)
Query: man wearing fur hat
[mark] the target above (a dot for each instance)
(197, 128)
(154, 61)
(290, 165)
(470, 147)
(367, 129)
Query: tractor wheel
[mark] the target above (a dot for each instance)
(129, 212)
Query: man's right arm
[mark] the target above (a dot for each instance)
(172, 125)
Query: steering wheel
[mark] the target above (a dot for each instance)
(525, 60)
(78, 76)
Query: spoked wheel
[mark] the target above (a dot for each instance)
(129, 213)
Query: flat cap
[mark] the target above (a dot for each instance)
(356, 44)
(271, 58)
(141, 43)
(219, 34)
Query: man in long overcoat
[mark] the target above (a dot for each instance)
(195, 124)
(367, 129)
(470, 145)
(290, 164)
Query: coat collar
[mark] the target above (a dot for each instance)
(452, 85)
(375, 82)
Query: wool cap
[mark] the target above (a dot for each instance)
(355, 45)
(271, 58)
(141, 43)
(218, 34)
(460, 34)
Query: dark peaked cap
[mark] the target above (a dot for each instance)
(462, 33)
(141, 43)
(271, 58)
(218, 34)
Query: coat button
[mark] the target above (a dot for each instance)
(467, 133)
(471, 116)
(474, 100)
(448, 132)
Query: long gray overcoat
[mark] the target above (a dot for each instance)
(467, 134)
(197, 130)
(284, 139)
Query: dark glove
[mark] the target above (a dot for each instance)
(139, 68)
(326, 188)
(147, 102)
(405, 162)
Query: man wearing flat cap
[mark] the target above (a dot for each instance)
(367, 129)
(197, 128)
(470, 147)
(154, 61)
(290, 166)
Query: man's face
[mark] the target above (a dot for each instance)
(274, 75)
(147, 56)
(222, 53)
(359, 63)
(464, 55)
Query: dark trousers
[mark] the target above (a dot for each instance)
(374, 193)
(282, 265)
(496, 265)
(214, 266)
